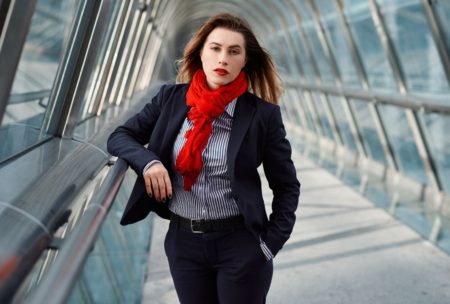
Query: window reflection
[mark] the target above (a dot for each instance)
(414, 45)
(322, 113)
(95, 88)
(291, 103)
(326, 74)
(302, 55)
(443, 12)
(337, 42)
(47, 38)
(437, 126)
(309, 115)
(361, 25)
(402, 141)
(342, 121)
(367, 128)
(118, 258)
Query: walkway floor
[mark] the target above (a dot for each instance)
(342, 250)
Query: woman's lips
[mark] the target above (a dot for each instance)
(221, 72)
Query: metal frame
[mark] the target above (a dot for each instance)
(437, 34)
(4, 7)
(137, 64)
(407, 101)
(88, 62)
(414, 124)
(92, 103)
(69, 69)
(130, 37)
(387, 46)
(117, 57)
(338, 81)
(298, 70)
(135, 47)
(12, 39)
(101, 92)
(59, 281)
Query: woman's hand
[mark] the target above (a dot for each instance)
(157, 182)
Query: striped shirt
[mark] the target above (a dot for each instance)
(210, 196)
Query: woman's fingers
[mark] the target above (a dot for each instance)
(168, 186)
(148, 185)
(157, 182)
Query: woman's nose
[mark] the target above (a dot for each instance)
(223, 58)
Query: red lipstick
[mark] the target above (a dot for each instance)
(221, 72)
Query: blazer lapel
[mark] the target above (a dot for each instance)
(178, 113)
(243, 115)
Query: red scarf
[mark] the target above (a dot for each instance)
(206, 106)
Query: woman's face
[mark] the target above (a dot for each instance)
(223, 56)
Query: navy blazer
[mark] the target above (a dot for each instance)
(257, 137)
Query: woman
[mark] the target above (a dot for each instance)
(206, 139)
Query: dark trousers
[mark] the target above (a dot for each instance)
(217, 267)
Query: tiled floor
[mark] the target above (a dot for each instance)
(342, 250)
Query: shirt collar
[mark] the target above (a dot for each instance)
(230, 107)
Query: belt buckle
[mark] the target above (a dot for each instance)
(194, 230)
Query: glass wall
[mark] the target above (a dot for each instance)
(337, 42)
(22, 124)
(365, 36)
(115, 269)
(398, 121)
(62, 78)
(414, 46)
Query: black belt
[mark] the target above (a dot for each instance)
(204, 226)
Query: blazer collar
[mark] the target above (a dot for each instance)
(178, 113)
(243, 115)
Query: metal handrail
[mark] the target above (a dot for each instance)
(30, 217)
(28, 96)
(409, 101)
(62, 276)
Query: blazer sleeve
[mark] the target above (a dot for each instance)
(128, 140)
(282, 178)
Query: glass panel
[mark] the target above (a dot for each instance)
(342, 121)
(309, 116)
(321, 112)
(415, 47)
(368, 130)
(288, 56)
(44, 46)
(337, 42)
(288, 116)
(436, 128)
(91, 97)
(361, 25)
(289, 36)
(114, 271)
(301, 53)
(293, 104)
(444, 235)
(277, 53)
(326, 74)
(443, 13)
(402, 142)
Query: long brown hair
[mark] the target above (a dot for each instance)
(260, 69)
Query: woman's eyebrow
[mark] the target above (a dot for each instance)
(230, 47)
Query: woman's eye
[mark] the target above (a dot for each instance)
(215, 48)
(235, 52)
